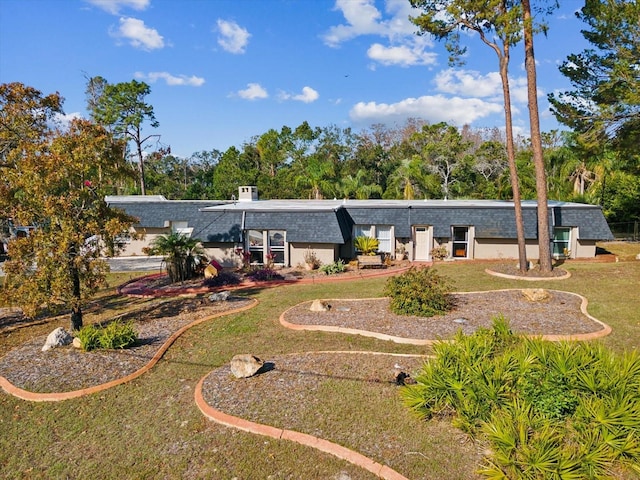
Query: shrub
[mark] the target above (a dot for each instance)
(547, 410)
(264, 274)
(419, 291)
(113, 335)
(439, 253)
(333, 268)
(311, 259)
(366, 245)
(222, 279)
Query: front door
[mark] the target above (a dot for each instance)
(421, 243)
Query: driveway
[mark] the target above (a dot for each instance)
(135, 264)
(129, 264)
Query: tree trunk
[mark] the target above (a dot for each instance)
(513, 170)
(544, 241)
(141, 169)
(76, 317)
(76, 308)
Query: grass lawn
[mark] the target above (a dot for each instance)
(151, 428)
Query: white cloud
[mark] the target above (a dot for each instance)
(171, 80)
(403, 47)
(363, 18)
(138, 34)
(308, 95)
(233, 38)
(403, 55)
(114, 6)
(253, 91)
(471, 83)
(438, 108)
(63, 120)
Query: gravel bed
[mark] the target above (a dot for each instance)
(560, 314)
(67, 369)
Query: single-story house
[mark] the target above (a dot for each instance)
(287, 229)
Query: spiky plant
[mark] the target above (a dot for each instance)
(548, 410)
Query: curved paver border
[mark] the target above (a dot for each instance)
(323, 445)
(11, 389)
(606, 329)
(144, 292)
(566, 275)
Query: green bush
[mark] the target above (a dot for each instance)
(89, 336)
(548, 410)
(113, 335)
(366, 245)
(333, 268)
(419, 291)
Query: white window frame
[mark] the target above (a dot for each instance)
(565, 252)
(266, 246)
(385, 245)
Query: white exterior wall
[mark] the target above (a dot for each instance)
(223, 253)
(147, 235)
(325, 252)
(495, 248)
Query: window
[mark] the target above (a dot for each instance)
(276, 246)
(255, 238)
(181, 228)
(561, 242)
(460, 242)
(383, 233)
(266, 242)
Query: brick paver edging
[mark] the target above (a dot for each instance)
(312, 441)
(58, 396)
(606, 329)
(141, 291)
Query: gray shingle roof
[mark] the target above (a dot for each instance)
(331, 221)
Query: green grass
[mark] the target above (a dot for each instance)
(151, 428)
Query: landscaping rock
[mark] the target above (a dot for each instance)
(219, 297)
(319, 306)
(77, 343)
(58, 338)
(535, 294)
(245, 365)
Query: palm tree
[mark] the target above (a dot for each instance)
(181, 254)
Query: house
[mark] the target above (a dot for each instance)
(286, 229)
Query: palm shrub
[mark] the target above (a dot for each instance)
(419, 291)
(366, 245)
(182, 254)
(548, 410)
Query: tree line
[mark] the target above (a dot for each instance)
(56, 176)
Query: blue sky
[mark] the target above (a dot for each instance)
(222, 71)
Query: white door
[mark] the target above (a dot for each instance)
(421, 243)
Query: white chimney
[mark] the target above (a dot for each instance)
(247, 194)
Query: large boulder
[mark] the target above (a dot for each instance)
(535, 294)
(219, 296)
(319, 306)
(245, 365)
(58, 338)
